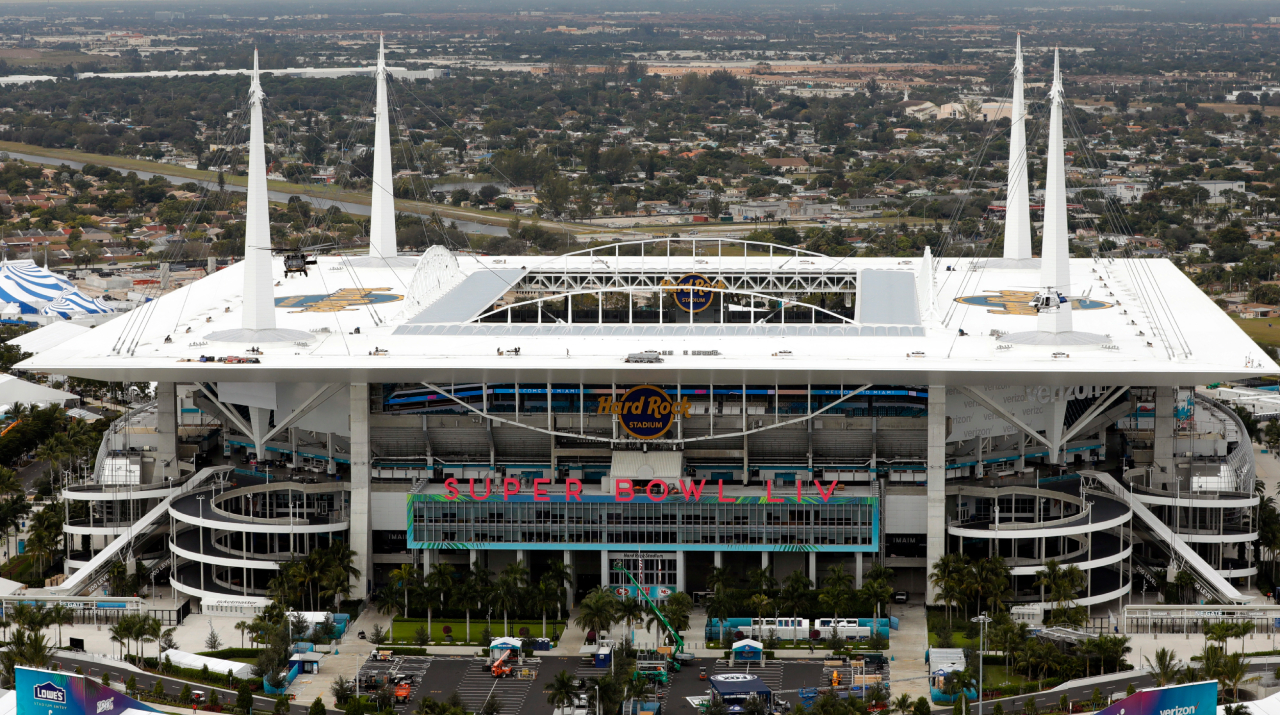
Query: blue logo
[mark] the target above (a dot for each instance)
(50, 692)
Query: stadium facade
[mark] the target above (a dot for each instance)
(678, 403)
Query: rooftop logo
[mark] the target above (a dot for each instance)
(1022, 302)
(345, 299)
(49, 692)
(645, 411)
(685, 291)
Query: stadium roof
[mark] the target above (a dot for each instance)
(369, 325)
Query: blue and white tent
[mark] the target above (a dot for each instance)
(37, 291)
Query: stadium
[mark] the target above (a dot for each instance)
(678, 404)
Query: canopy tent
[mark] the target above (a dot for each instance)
(50, 336)
(34, 289)
(74, 302)
(736, 688)
(748, 644)
(183, 659)
(505, 644)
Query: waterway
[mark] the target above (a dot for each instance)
(280, 196)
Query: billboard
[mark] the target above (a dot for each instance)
(1190, 699)
(51, 692)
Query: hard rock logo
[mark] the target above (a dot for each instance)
(345, 299)
(645, 411)
(1021, 302)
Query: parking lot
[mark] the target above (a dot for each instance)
(439, 677)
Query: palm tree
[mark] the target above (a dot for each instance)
(60, 614)
(795, 596)
(508, 596)
(836, 593)
(1233, 671)
(559, 572)
(543, 595)
(466, 595)
(720, 608)
(436, 587)
(1165, 667)
(598, 612)
(761, 604)
(721, 576)
(242, 626)
(946, 578)
(561, 691)
(630, 611)
(760, 580)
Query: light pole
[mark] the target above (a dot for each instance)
(982, 620)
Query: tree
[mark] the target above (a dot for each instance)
(948, 578)
(598, 612)
(212, 641)
(1165, 667)
(341, 689)
(317, 707)
(553, 196)
(794, 597)
(509, 591)
(562, 690)
(836, 593)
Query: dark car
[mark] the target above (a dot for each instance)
(899, 596)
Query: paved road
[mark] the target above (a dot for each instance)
(146, 681)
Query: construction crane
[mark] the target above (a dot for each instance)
(617, 566)
(501, 668)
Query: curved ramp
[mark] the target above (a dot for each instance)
(1208, 577)
(90, 576)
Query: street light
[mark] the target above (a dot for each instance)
(982, 620)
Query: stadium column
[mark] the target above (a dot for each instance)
(572, 582)
(361, 536)
(1165, 423)
(167, 431)
(937, 475)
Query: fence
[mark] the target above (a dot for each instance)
(288, 680)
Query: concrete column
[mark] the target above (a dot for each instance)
(361, 528)
(1165, 421)
(572, 582)
(719, 556)
(167, 431)
(604, 569)
(857, 569)
(472, 557)
(764, 560)
(681, 579)
(520, 556)
(293, 446)
(936, 540)
(813, 568)
(333, 466)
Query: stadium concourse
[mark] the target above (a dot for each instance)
(673, 405)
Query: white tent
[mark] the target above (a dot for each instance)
(52, 335)
(748, 643)
(14, 390)
(507, 643)
(182, 659)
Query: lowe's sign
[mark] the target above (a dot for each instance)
(50, 692)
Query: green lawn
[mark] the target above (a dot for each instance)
(403, 631)
(1262, 330)
(997, 675)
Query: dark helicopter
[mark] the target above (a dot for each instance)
(296, 260)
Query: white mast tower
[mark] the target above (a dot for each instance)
(258, 322)
(382, 209)
(1053, 307)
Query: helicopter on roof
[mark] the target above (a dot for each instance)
(296, 260)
